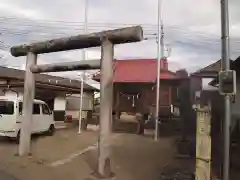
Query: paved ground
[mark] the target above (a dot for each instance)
(73, 156)
(69, 155)
(6, 176)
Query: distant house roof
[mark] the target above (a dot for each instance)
(93, 84)
(234, 65)
(210, 71)
(64, 83)
(138, 70)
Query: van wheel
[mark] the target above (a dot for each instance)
(51, 130)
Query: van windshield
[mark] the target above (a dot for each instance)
(6, 107)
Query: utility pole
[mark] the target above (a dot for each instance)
(160, 55)
(81, 103)
(83, 58)
(225, 67)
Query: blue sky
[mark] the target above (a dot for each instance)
(192, 28)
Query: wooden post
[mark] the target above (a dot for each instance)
(107, 54)
(203, 143)
(29, 93)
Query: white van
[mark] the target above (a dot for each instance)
(11, 117)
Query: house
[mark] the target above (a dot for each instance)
(206, 75)
(135, 86)
(51, 89)
(210, 71)
(213, 95)
(209, 93)
(235, 105)
(217, 108)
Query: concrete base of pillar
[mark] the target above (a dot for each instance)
(97, 176)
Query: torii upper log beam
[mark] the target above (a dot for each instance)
(117, 36)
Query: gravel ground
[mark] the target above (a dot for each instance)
(176, 173)
(134, 157)
(6, 176)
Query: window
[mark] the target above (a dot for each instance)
(45, 109)
(20, 107)
(6, 107)
(36, 108)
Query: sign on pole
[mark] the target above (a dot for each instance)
(203, 143)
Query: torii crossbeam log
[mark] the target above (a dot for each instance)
(117, 36)
(106, 40)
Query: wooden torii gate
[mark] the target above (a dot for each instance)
(105, 39)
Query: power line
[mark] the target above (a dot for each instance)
(92, 27)
(68, 25)
(149, 28)
(95, 24)
(6, 31)
(61, 28)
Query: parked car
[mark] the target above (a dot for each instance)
(11, 117)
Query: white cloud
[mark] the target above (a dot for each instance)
(192, 27)
(10, 8)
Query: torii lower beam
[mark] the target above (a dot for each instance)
(106, 40)
(68, 66)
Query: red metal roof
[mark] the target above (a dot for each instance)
(138, 70)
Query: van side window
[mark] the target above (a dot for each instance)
(45, 109)
(6, 107)
(36, 108)
(20, 107)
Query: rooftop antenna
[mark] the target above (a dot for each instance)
(168, 50)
